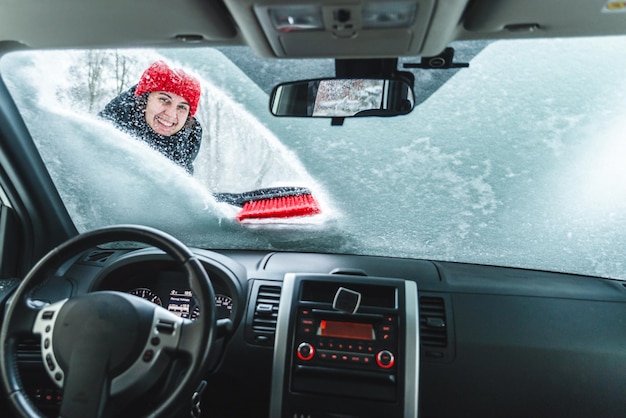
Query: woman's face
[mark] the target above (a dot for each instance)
(166, 112)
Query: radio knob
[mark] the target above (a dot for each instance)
(305, 351)
(385, 359)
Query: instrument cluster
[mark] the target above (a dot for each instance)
(183, 303)
(161, 283)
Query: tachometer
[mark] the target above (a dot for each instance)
(147, 294)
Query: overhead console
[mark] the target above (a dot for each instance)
(346, 346)
(347, 28)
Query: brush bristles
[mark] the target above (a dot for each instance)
(280, 207)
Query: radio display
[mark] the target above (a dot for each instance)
(352, 330)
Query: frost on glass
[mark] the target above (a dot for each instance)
(516, 160)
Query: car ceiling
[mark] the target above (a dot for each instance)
(115, 23)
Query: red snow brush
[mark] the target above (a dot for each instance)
(274, 202)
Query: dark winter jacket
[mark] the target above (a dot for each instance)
(127, 112)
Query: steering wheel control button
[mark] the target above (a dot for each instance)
(385, 359)
(50, 363)
(165, 327)
(305, 351)
(148, 355)
(155, 341)
(47, 315)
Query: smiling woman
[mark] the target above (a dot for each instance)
(160, 110)
(166, 112)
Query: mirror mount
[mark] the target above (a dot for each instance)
(337, 121)
(372, 68)
(443, 61)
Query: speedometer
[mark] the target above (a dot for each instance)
(223, 307)
(147, 294)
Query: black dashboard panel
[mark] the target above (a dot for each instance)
(489, 341)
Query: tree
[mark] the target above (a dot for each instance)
(95, 63)
(98, 76)
(122, 65)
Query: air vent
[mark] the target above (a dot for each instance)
(98, 256)
(436, 328)
(264, 314)
(433, 327)
(29, 351)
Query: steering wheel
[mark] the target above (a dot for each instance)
(107, 348)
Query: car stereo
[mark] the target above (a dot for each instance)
(362, 342)
(346, 346)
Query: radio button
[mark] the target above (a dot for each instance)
(305, 351)
(385, 359)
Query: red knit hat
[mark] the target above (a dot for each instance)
(160, 77)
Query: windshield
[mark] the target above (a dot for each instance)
(515, 161)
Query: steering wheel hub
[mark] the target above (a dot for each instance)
(103, 322)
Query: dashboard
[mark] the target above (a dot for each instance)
(426, 338)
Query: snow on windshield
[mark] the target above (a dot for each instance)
(516, 161)
(106, 177)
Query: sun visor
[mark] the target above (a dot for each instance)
(115, 23)
(552, 18)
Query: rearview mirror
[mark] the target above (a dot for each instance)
(342, 98)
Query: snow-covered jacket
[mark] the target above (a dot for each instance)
(127, 112)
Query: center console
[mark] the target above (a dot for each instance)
(346, 347)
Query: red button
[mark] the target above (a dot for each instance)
(305, 351)
(385, 359)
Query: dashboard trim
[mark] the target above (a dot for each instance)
(280, 345)
(412, 356)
